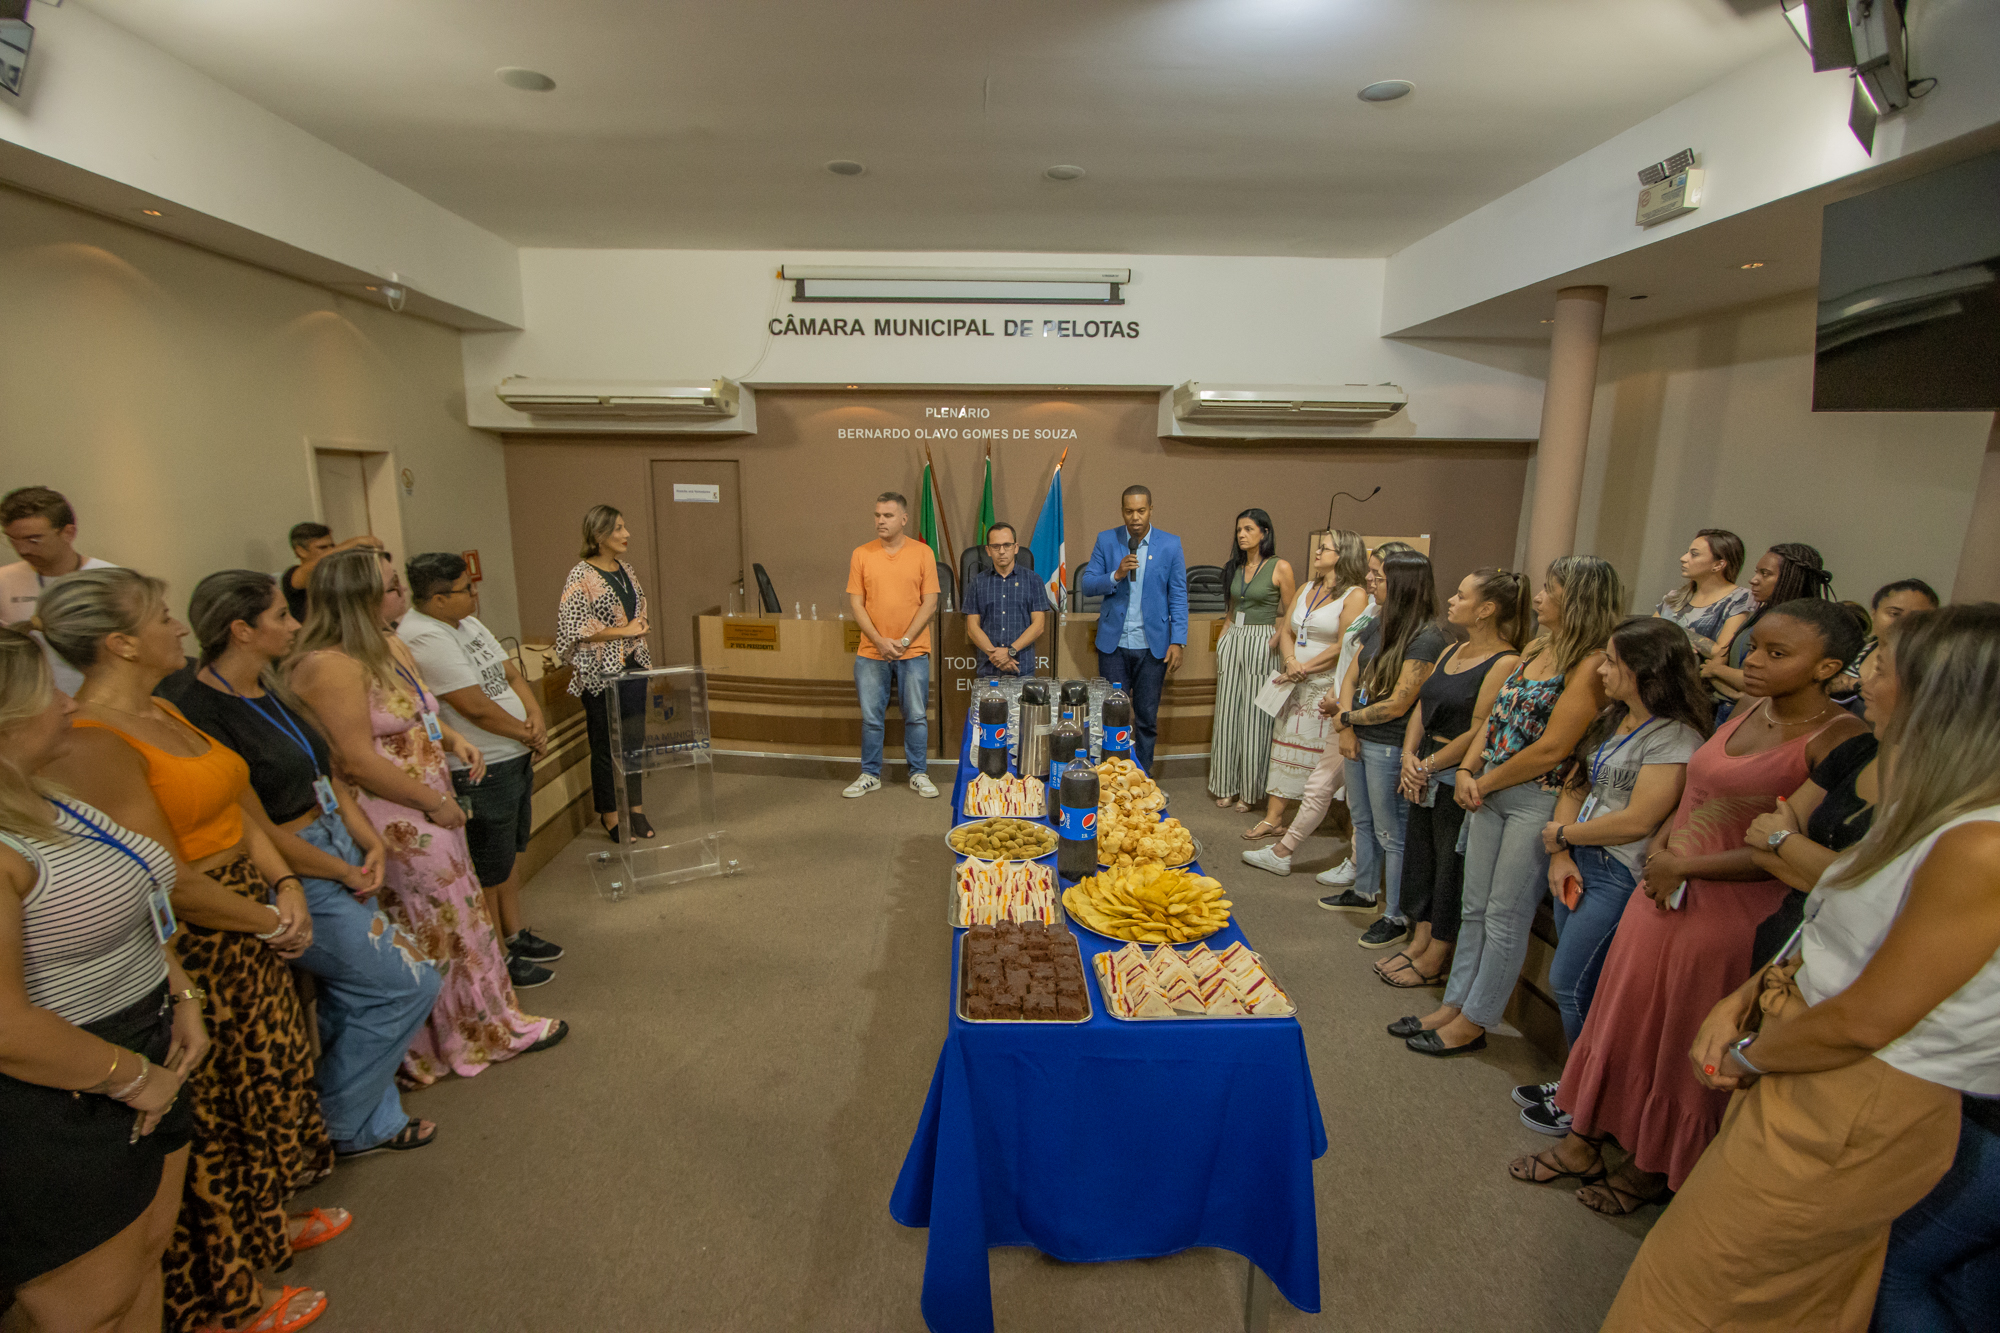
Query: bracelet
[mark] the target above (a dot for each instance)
(1561, 841)
(103, 1084)
(281, 925)
(195, 993)
(293, 878)
(137, 1085)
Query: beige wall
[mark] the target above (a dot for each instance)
(807, 493)
(169, 393)
(1708, 423)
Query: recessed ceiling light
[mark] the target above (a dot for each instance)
(854, 386)
(152, 212)
(1755, 263)
(1548, 321)
(842, 167)
(1064, 173)
(527, 80)
(1388, 90)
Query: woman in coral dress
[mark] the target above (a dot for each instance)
(386, 736)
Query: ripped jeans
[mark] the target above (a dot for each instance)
(373, 996)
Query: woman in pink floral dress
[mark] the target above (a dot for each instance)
(388, 740)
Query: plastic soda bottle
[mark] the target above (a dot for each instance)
(1076, 827)
(1117, 724)
(993, 734)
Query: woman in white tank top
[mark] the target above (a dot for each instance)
(1849, 1106)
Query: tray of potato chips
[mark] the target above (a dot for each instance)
(1148, 904)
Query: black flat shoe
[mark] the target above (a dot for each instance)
(1429, 1043)
(1408, 1026)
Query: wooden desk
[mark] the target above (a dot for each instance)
(779, 686)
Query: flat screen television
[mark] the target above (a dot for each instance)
(1909, 295)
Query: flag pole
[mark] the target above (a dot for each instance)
(944, 524)
(1062, 603)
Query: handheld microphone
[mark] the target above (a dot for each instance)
(1132, 543)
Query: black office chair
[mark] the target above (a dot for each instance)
(766, 594)
(974, 560)
(1205, 593)
(1085, 602)
(947, 588)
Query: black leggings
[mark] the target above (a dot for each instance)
(632, 721)
(1433, 871)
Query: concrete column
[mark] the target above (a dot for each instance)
(1978, 578)
(1579, 326)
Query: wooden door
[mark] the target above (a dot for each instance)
(343, 494)
(697, 550)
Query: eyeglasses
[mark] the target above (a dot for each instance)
(1003, 546)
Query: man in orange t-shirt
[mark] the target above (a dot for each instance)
(892, 586)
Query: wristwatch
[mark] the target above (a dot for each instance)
(1561, 841)
(1773, 842)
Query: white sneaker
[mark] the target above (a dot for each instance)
(921, 784)
(862, 785)
(1266, 859)
(1340, 876)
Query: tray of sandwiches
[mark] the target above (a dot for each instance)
(1018, 796)
(987, 893)
(1021, 973)
(1165, 983)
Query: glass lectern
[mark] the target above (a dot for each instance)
(660, 752)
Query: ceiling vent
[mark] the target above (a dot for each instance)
(623, 400)
(1203, 404)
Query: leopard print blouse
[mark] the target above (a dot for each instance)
(589, 604)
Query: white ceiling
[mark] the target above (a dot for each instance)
(1205, 126)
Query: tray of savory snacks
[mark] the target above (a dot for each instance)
(1010, 795)
(1123, 786)
(986, 893)
(1149, 904)
(1166, 983)
(1021, 973)
(1145, 841)
(1002, 840)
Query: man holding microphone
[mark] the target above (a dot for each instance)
(1142, 624)
(892, 586)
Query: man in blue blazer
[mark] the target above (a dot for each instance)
(1142, 624)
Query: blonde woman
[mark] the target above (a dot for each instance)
(1315, 645)
(1850, 1060)
(258, 1133)
(99, 1028)
(601, 632)
(383, 725)
(1260, 587)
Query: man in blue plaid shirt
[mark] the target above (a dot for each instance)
(1006, 609)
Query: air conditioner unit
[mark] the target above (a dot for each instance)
(1286, 404)
(623, 400)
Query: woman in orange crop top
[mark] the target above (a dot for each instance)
(259, 1136)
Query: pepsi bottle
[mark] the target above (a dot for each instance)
(1075, 702)
(1118, 725)
(993, 734)
(1076, 826)
(1065, 743)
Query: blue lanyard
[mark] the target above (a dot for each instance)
(96, 834)
(423, 695)
(282, 719)
(1600, 759)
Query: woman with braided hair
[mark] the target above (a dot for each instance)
(1788, 572)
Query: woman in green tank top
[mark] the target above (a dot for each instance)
(1260, 589)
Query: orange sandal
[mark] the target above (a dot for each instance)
(320, 1227)
(272, 1318)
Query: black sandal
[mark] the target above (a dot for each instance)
(641, 827)
(411, 1135)
(615, 832)
(1618, 1195)
(1411, 967)
(1538, 1162)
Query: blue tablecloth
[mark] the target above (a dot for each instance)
(1111, 1140)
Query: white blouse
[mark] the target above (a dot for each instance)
(1957, 1044)
(1321, 629)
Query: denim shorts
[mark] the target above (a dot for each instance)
(501, 818)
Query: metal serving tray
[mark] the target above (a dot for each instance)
(1194, 1018)
(951, 891)
(1178, 865)
(958, 1005)
(966, 815)
(962, 823)
(1080, 924)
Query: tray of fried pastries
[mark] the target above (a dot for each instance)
(1141, 985)
(1021, 973)
(1002, 839)
(986, 893)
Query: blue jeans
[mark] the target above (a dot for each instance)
(1380, 817)
(1506, 874)
(1143, 676)
(1942, 1274)
(872, 681)
(373, 996)
(1584, 936)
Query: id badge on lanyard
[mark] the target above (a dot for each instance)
(431, 727)
(323, 793)
(1589, 808)
(161, 911)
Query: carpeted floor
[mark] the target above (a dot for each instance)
(714, 1146)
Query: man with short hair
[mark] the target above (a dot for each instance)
(486, 700)
(1142, 625)
(312, 543)
(892, 587)
(41, 527)
(1006, 608)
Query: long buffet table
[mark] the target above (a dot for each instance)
(1111, 1140)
